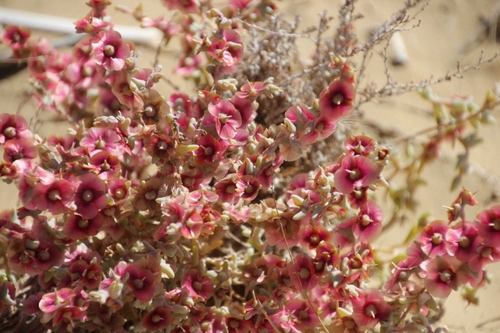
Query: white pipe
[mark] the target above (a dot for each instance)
(66, 26)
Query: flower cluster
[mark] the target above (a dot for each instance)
(175, 213)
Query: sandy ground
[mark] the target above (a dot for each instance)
(434, 48)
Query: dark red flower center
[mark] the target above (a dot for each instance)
(138, 283)
(150, 111)
(197, 286)
(109, 50)
(365, 220)
(437, 238)
(156, 318)
(162, 145)
(445, 276)
(337, 99)
(496, 224)
(371, 310)
(87, 196)
(10, 132)
(100, 144)
(354, 174)
(119, 193)
(83, 223)
(43, 255)
(464, 242)
(150, 195)
(315, 239)
(304, 273)
(54, 195)
(105, 166)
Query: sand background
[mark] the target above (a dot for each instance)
(434, 48)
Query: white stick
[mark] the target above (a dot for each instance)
(66, 26)
(399, 54)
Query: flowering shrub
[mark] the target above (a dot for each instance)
(248, 207)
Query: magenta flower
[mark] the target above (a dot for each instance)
(197, 286)
(227, 119)
(13, 127)
(442, 274)
(110, 51)
(336, 101)
(370, 308)
(438, 239)
(355, 172)
(90, 196)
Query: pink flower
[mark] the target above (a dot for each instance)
(370, 308)
(15, 37)
(314, 235)
(143, 279)
(125, 90)
(77, 227)
(18, 149)
(98, 139)
(55, 197)
(322, 128)
(13, 127)
(369, 222)
(109, 50)
(468, 241)
(107, 165)
(442, 274)
(227, 48)
(227, 119)
(485, 254)
(53, 301)
(438, 239)
(300, 315)
(90, 196)
(197, 286)
(359, 145)
(489, 225)
(336, 101)
(283, 231)
(157, 319)
(355, 172)
(185, 6)
(302, 273)
(249, 187)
